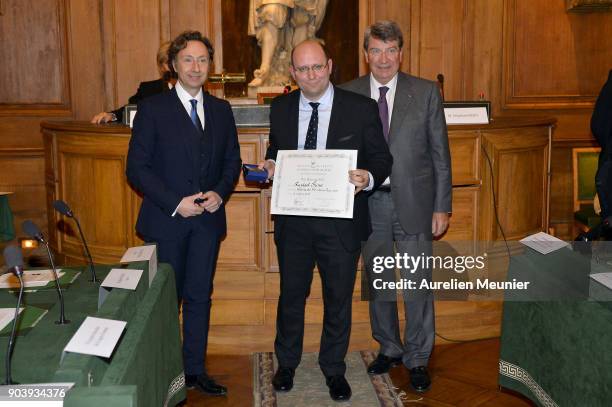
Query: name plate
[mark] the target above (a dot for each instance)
(96, 336)
(142, 253)
(314, 183)
(118, 278)
(466, 115)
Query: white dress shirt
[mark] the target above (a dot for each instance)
(185, 98)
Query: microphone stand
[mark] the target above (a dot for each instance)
(11, 344)
(94, 278)
(62, 319)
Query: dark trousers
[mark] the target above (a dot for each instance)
(388, 238)
(303, 242)
(193, 259)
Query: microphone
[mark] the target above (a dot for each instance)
(30, 229)
(441, 82)
(63, 208)
(14, 261)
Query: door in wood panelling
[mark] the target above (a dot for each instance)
(240, 250)
(34, 72)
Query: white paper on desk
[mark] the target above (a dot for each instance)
(31, 278)
(96, 336)
(143, 253)
(543, 242)
(603, 278)
(6, 316)
(122, 278)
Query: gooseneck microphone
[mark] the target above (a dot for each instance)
(63, 208)
(30, 229)
(14, 261)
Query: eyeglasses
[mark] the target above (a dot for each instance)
(391, 52)
(190, 60)
(316, 68)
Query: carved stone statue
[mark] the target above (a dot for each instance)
(279, 25)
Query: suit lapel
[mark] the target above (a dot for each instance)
(294, 119)
(335, 119)
(401, 104)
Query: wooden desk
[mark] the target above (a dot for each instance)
(85, 166)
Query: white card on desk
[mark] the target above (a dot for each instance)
(6, 316)
(603, 278)
(122, 278)
(96, 336)
(143, 253)
(543, 242)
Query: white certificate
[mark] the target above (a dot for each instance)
(314, 183)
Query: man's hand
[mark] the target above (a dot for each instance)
(359, 178)
(187, 208)
(269, 165)
(439, 223)
(212, 201)
(102, 117)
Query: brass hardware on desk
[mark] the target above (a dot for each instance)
(225, 77)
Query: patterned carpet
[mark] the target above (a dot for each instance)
(310, 390)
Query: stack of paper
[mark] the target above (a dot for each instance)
(544, 243)
(31, 278)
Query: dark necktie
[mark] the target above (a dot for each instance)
(311, 134)
(195, 119)
(383, 111)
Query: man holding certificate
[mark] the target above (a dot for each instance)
(321, 117)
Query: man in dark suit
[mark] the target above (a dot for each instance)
(601, 126)
(321, 116)
(145, 89)
(412, 205)
(185, 159)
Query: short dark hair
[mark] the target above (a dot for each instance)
(327, 57)
(384, 30)
(180, 42)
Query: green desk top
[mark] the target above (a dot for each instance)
(152, 324)
(557, 351)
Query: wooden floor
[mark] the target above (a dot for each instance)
(463, 375)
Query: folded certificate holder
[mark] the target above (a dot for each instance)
(252, 173)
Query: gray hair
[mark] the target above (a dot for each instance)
(384, 30)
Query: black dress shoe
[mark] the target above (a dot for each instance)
(205, 384)
(283, 379)
(419, 379)
(382, 364)
(339, 389)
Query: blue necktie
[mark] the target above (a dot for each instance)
(313, 125)
(194, 115)
(383, 111)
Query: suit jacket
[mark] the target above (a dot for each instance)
(354, 125)
(163, 163)
(145, 89)
(601, 121)
(418, 140)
